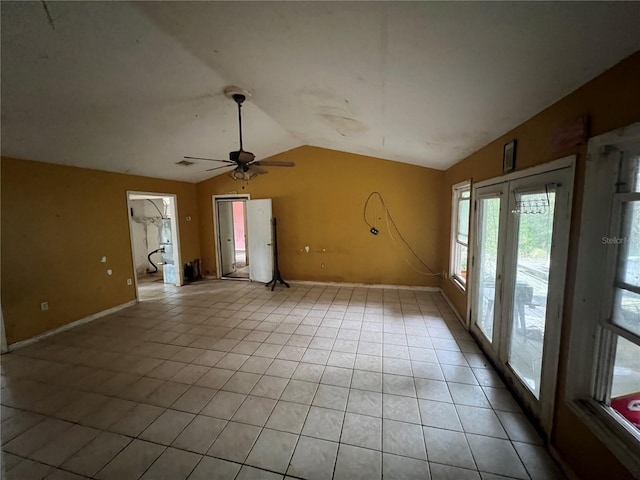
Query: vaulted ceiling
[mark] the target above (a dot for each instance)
(133, 87)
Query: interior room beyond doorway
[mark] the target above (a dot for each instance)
(154, 240)
(232, 238)
(240, 254)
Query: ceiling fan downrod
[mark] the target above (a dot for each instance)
(239, 99)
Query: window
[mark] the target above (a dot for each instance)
(460, 233)
(618, 376)
(605, 344)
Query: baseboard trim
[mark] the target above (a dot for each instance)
(68, 326)
(564, 466)
(455, 312)
(364, 285)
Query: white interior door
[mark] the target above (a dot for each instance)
(260, 244)
(225, 236)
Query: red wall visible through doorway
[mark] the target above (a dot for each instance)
(238, 225)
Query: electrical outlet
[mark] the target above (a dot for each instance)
(129, 282)
(44, 306)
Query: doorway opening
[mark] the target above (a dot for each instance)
(155, 243)
(231, 232)
(243, 237)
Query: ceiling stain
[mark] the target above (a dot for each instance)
(345, 126)
(462, 144)
(326, 102)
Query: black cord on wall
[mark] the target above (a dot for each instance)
(153, 203)
(374, 230)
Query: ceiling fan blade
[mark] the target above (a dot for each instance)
(209, 159)
(218, 168)
(274, 163)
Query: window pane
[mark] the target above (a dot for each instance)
(626, 311)
(465, 194)
(535, 230)
(625, 388)
(629, 256)
(463, 221)
(461, 262)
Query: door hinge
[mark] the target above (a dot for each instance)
(473, 261)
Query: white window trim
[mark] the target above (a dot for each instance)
(622, 439)
(460, 283)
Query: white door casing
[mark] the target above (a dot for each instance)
(216, 201)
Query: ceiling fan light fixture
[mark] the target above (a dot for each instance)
(237, 174)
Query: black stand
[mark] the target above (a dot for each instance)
(277, 276)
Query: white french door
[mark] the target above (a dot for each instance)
(487, 262)
(521, 232)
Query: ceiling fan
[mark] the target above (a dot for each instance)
(245, 163)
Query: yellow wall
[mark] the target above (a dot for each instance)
(611, 100)
(57, 223)
(320, 203)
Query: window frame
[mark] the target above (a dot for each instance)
(457, 191)
(594, 336)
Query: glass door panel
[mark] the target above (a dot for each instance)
(534, 223)
(488, 233)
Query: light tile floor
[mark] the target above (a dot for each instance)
(223, 380)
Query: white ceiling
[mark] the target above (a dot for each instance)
(133, 87)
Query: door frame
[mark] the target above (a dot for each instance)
(216, 233)
(175, 234)
(541, 409)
